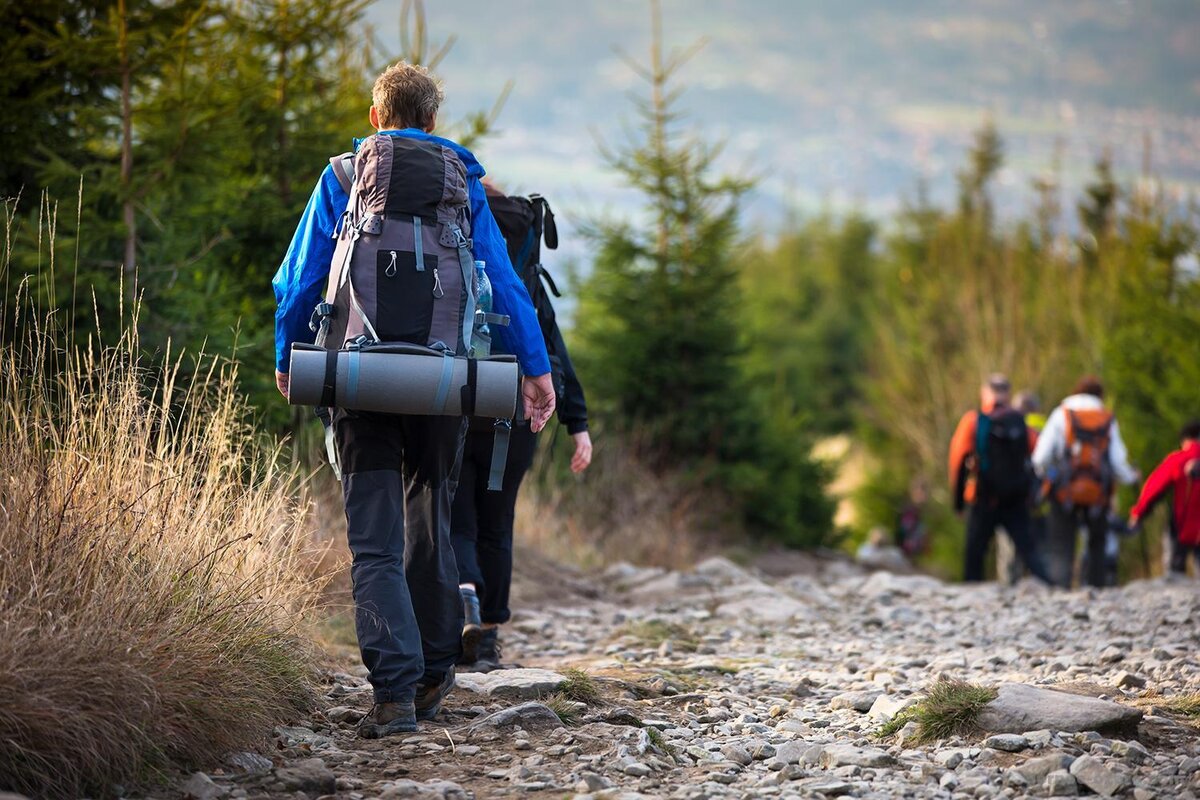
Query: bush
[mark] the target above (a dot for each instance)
(151, 559)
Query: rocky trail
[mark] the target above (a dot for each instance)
(729, 682)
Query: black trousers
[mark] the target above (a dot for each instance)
(397, 479)
(1062, 536)
(983, 519)
(1180, 553)
(481, 528)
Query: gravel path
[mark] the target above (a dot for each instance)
(722, 682)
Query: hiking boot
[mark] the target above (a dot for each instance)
(386, 719)
(489, 651)
(431, 693)
(472, 627)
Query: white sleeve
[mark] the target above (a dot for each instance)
(1118, 456)
(1049, 443)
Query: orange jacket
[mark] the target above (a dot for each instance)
(962, 445)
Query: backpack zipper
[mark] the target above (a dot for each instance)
(437, 285)
(391, 268)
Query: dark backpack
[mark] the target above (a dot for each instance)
(1002, 456)
(525, 223)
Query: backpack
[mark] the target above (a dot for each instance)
(1087, 477)
(1002, 456)
(525, 223)
(402, 268)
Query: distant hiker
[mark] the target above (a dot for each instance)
(481, 527)
(912, 536)
(398, 471)
(1179, 473)
(989, 471)
(1080, 454)
(1009, 568)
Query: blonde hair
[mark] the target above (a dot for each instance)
(406, 96)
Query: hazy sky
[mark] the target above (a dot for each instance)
(831, 103)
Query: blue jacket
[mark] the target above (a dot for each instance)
(300, 282)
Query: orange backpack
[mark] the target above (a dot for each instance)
(1088, 480)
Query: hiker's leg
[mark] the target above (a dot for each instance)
(497, 511)
(1059, 550)
(1097, 543)
(464, 515)
(369, 448)
(981, 525)
(1178, 555)
(1015, 519)
(432, 451)
(1008, 562)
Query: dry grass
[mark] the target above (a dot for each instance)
(619, 510)
(153, 570)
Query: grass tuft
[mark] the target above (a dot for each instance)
(949, 708)
(581, 687)
(660, 741)
(653, 632)
(568, 711)
(153, 565)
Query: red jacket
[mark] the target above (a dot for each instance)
(1173, 474)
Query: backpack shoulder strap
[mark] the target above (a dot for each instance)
(343, 170)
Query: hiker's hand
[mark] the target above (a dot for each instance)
(538, 394)
(281, 380)
(583, 452)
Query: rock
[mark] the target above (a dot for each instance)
(531, 716)
(1061, 783)
(859, 701)
(1132, 752)
(1092, 773)
(773, 607)
(949, 758)
(887, 706)
(1019, 707)
(1035, 770)
(824, 787)
(737, 754)
(1127, 680)
(433, 790)
(843, 755)
(886, 583)
(344, 714)
(1008, 742)
(201, 787)
(295, 735)
(308, 775)
(591, 782)
(249, 765)
(516, 684)
(636, 769)
(908, 734)
(723, 570)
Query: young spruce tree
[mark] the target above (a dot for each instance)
(659, 322)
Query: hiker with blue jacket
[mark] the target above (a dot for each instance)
(398, 471)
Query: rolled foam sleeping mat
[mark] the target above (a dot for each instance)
(402, 379)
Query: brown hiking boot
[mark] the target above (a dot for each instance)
(386, 719)
(430, 695)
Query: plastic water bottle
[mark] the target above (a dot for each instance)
(482, 340)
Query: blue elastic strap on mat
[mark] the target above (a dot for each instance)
(443, 390)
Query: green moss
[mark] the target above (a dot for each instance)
(949, 708)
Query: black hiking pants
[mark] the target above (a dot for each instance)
(481, 527)
(398, 476)
(983, 519)
(1062, 535)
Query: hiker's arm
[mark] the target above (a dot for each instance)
(1119, 458)
(573, 411)
(300, 280)
(961, 445)
(1044, 453)
(523, 336)
(1157, 484)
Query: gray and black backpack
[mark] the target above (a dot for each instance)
(403, 281)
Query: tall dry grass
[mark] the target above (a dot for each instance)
(153, 573)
